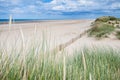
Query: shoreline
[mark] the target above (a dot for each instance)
(35, 21)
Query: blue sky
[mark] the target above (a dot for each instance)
(58, 9)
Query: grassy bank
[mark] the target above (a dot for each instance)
(105, 26)
(36, 64)
(118, 34)
(101, 30)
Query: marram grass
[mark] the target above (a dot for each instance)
(86, 64)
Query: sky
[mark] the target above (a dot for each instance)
(58, 9)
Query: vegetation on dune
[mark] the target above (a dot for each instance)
(105, 18)
(86, 64)
(101, 30)
(118, 19)
(104, 26)
(118, 34)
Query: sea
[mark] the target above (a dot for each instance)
(6, 21)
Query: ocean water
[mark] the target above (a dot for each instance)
(3, 21)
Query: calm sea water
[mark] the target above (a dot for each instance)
(2, 21)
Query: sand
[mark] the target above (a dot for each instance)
(54, 32)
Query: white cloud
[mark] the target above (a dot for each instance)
(26, 10)
(64, 5)
(31, 7)
(10, 3)
(71, 5)
(17, 10)
(115, 6)
(15, 2)
(87, 3)
(75, 5)
(60, 7)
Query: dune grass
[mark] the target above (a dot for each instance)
(103, 26)
(100, 30)
(118, 34)
(106, 18)
(37, 64)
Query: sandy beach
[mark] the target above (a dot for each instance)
(59, 39)
(55, 48)
(55, 33)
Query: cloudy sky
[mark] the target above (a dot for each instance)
(58, 9)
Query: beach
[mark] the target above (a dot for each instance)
(62, 34)
(59, 39)
(53, 50)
